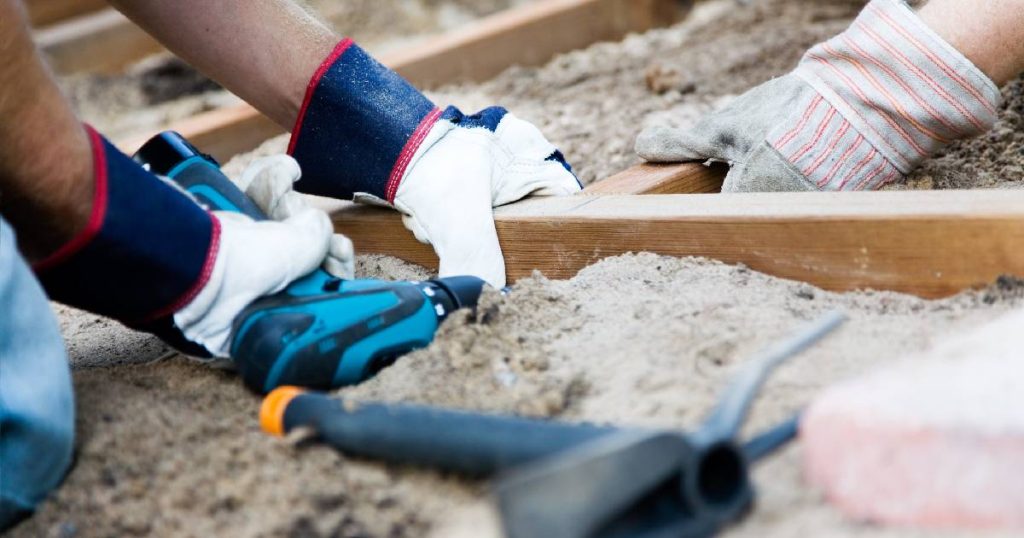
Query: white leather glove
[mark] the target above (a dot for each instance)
(255, 259)
(365, 133)
(466, 166)
(269, 182)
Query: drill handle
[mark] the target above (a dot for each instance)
(169, 154)
(213, 189)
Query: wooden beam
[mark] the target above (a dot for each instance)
(528, 35)
(45, 12)
(927, 243)
(686, 178)
(105, 41)
(222, 133)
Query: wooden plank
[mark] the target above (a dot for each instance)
(45, 12)
(685, 178)
(528, 35)
(222, 133)
(105, 41)
(927, 243)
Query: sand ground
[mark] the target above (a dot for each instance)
(173, 448)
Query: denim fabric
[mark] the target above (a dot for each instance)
(37, 414)
(359, 126)
(145, 253)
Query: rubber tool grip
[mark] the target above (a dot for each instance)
(467, 443)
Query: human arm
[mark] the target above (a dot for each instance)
(264, 51)
(106, 235)
(360, 131)
(46, 184)
(990, 33)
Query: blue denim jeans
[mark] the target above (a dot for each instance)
(37, 413)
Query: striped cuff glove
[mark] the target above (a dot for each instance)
(860, 111)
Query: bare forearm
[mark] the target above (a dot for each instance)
(46, 178)
(989, 33)
(265, 51)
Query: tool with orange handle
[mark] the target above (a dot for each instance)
(565, 480)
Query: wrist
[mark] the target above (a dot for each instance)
(146, 251)
(358, 127)
(49, 196)
(292, 85)
(987, 33)
(54, 202)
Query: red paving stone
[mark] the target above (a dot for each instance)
(933, 441)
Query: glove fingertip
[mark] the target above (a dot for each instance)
(496, 276)
(413, 225)
(342, 247)
(344, 269)
(659, 144)
(486, 264)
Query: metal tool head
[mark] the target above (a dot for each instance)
(654, 484)
(596, 488)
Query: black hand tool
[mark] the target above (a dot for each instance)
(566, 480)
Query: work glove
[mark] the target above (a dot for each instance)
(269, 182)
(467, 166)
(860, 111)
(256, 259)
(152, 258)
(366, 134)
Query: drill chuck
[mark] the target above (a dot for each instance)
(461, 291)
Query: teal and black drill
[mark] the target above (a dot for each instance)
(321, 332)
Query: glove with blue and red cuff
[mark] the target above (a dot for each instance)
(364, 133)
(155, 260)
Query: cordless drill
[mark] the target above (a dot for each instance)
(321, 332)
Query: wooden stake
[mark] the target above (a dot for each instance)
(685, 178)
(927, 243)
(45, 12)
(105, 41)
(528, 35)
(222, 133)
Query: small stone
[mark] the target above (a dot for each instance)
(661, 79)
